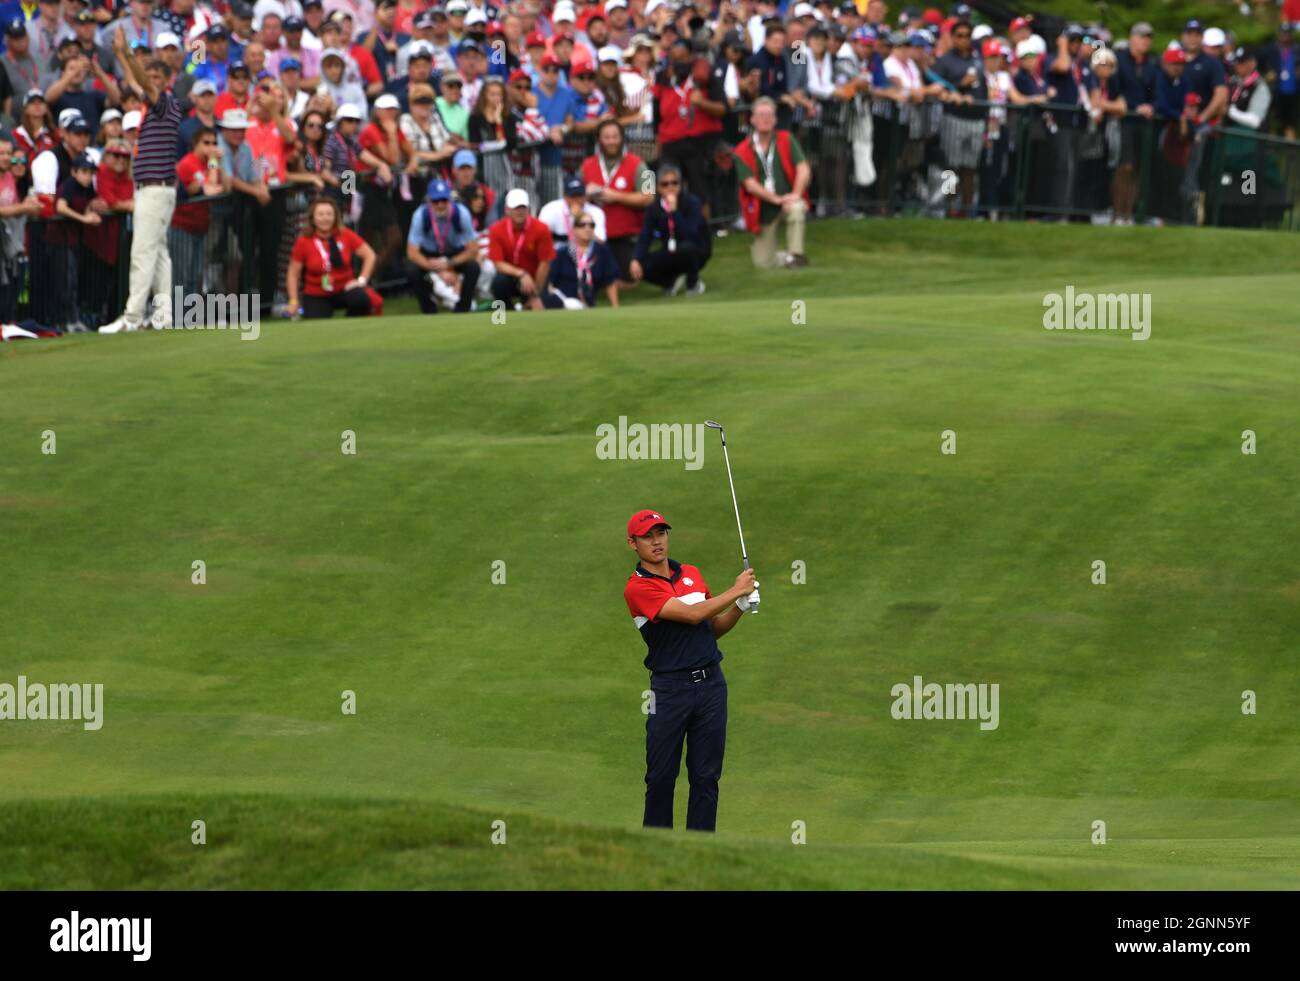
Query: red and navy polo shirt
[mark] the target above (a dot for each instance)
(673, 646)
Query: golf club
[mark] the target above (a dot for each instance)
(753, 597)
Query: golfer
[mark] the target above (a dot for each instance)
(681, 623)
(155, 191)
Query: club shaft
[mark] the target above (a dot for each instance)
(744, 554)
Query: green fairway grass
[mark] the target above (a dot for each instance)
(522, 702)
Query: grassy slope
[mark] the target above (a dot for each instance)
(476, 443)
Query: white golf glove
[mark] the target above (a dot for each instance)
(742, 604)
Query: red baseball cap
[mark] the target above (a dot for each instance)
(535, 40)
(993, 48)
(550, 59)
(932, 16)
(1018, 23)
(1176, 56)
(641, 522)
(519, 75)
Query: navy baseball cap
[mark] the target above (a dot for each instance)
(84, 161)
(293, 24)
(1074, 31)
(574, 186)
(217, 33)
(1194, 25)
(16, 28)
(238, 66)
(439, 191)
(469, 44)
(641, 522)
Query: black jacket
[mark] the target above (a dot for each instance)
(688, 225)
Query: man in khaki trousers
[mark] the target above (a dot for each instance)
(774, 178)
(155, 193)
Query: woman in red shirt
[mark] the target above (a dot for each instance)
(324, 260)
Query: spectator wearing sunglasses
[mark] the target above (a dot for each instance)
(674, 243)
(583, 266)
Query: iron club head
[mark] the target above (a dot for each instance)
(712, 424)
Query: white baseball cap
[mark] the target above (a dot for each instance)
(1026, 48)
(234, 119)
(475, 16)
(347, 111)
(132, 119)
(167, 40)
(516, 198)
(109, 115)
(67, 116)
(563, 11)
(612, 4)
(457, 7)
(610, 52)
(981, 32)
(1214, 38)
(387, 101)
(804, 10)
(654, 5)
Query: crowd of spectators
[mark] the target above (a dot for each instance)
(543, 154)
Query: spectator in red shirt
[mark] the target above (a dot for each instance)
(238, 94)
(385, 139)
(114, 184)
(198, 174)
(323, 258)
(521, 251)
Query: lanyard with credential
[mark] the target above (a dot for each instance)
(439, 239)
(606, 174)
(583, 262)
(517, 243)
(672, 231)
(324, 251)
(769, 179)
(684, 100)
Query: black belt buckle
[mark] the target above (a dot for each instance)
(699, 674)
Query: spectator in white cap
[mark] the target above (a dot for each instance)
(456, 11)
(345, 156)
(131, 127)
(110, 127)
(620, 23)
(237, 156)
(384, 138)
(203, 95)
(521, 251)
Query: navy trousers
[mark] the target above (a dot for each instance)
(689, 707)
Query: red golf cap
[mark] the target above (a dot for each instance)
(643, 521)
(1018, 23)
(535, 40)
(932, 16)
(519, 75)
(550, 59)
(1176, 56)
